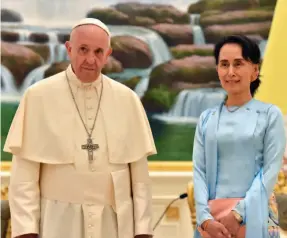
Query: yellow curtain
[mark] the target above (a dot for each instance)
(274, 68)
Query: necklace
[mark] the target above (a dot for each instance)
(227, 107)
(234, 110)
(90, 147)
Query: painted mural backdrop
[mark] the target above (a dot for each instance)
(161, 49)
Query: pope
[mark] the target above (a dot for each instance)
(80, 143)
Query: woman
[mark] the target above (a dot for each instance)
(238, 151)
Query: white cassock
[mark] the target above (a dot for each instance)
(54, 190)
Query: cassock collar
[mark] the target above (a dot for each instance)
(77, 82)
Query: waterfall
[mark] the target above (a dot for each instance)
(142, 86)
(34, 76)
(58, 53)
(198, 35)
(52, 50)
(157, 45)
(191, 103)
(7, 81)
(194, 19)
(159, 50)
(53, 37)
(62, 54)
(24, 35)
(262, 47)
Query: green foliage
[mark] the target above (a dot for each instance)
(159, 99)
(174, 142)
(132, 83)
(8, 111)
(197, 75)
(182, 53)
(214, 36)
(268, 3)
(228, 5)
(198, 7)
(142, 21)
(157, 13)
(247, 16)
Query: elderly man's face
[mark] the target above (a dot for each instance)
(88, 49)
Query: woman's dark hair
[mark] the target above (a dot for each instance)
(250, 52)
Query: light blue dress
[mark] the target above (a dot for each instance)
(239, 154)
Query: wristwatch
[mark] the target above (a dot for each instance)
(237, 216)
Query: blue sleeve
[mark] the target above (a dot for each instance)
(274, 147)
(199, 174)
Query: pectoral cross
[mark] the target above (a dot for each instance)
(90, 147)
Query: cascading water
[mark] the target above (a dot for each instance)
(158, 47)
(262, 47)
(7, 81)
(191, 103)
(34, 76)
(198, 35)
